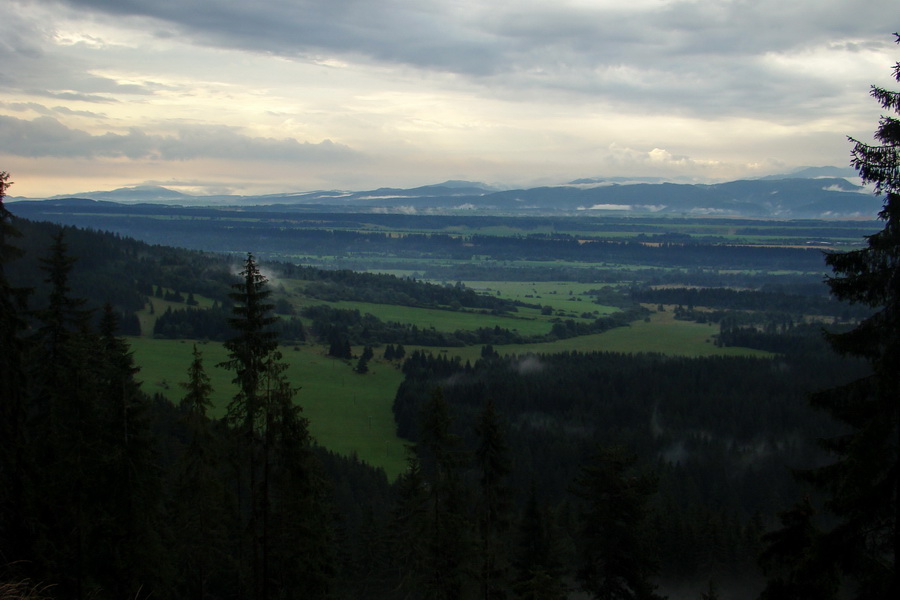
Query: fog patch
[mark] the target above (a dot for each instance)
(607, 207)
(675, 453)
(452, 380)
(392, 210)
(529, 364)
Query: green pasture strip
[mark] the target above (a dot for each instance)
(661, 334)
(525, 321)
(348, 413)
(568, 296)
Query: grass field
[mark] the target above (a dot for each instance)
(348, 413)
(661, 334)
(567, 299)
(351, 413)
(567, 296)
(526, 321)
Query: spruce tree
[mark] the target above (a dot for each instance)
(65, 418)
(63, 316)
(862, 484)
(14, 456)
(249, 350)
(280, 499)
(249, 355)
(199, 499)
(130, 554)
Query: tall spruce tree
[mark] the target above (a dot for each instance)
(285, 520)
(65, 418)
(14, 463)
(249, 353)
(862, 483)
(250, 349)
(63, 317)
(130, 555)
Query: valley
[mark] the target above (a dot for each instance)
(693, 343)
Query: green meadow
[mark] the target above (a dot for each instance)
(351, 414)
(661, 333)
(567, 296)
(525, 321)
(348, 413)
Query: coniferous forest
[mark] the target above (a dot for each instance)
(531, 475)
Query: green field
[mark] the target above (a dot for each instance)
(526, 321)
(568, 296)
(567, 299)
(351, 413)
(661, 334)
(348, 413)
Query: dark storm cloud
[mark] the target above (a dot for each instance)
(494, 37)
(398, 31)
(695, 56)
(47, 137)
(27, 66)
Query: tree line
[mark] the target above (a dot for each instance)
(772, 301)
(717, 432)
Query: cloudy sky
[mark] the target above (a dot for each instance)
(234, 96)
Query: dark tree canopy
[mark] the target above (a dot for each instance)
(861, 485)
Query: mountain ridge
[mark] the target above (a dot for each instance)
(820, 192)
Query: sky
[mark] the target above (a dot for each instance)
(270, 96)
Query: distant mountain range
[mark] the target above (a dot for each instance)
(823, 192)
